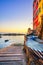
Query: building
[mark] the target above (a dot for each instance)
(37, 13)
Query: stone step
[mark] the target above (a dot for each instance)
(12, 63)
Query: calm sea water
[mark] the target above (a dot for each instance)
(12, 40)
(16, 39)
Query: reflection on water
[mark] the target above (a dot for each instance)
(16, 39)
(12, 40)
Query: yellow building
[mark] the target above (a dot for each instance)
(40, 8)
(40, 13)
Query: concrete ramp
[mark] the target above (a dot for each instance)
(12, 55)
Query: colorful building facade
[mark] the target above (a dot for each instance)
(37, 13)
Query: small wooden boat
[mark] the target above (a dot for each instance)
(36, 49)
(0, 36)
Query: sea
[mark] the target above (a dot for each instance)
(11, 40)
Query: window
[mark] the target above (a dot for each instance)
(39, 9)
(42, 5)
(37, 4)
(39, 0)
(34, 0)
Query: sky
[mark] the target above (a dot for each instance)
(16, 15)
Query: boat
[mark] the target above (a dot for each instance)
(5, 43)
(0, 36)
(34, 49)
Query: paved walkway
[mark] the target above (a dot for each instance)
(12, 55)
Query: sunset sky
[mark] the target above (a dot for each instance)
(16, 15)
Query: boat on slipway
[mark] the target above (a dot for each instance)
(35, 48)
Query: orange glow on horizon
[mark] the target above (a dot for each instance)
(15, 30)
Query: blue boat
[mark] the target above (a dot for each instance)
(34, 43)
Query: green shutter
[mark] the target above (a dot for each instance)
(42, 5)
(39, 9)
(39, 0)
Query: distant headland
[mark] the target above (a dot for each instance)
(11, 34)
